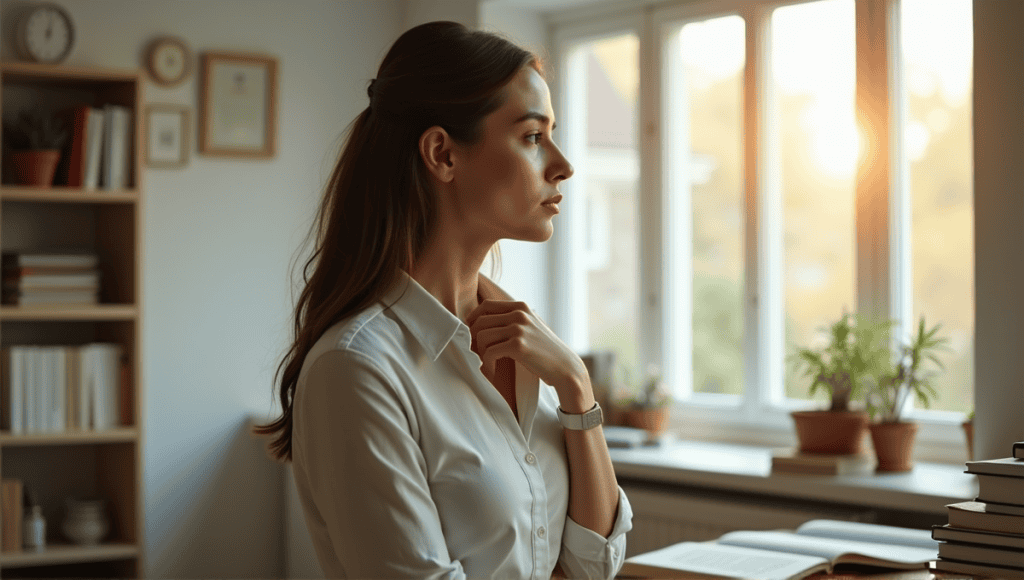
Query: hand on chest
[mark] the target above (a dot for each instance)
(504, 379)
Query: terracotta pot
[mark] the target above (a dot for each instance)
(969, 433)
(831, 432)
(34, 168)
(894, 445)
(653, 420)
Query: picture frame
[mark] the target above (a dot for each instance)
(167, 136)
(238, 105)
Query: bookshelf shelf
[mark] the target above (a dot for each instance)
(60, 194)
(119, 435)
(68, 554)
(98, 312)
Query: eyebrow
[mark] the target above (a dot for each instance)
(535, 116)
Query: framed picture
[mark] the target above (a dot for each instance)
(238, 118)
(167, 138)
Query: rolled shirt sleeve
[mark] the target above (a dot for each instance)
(586, 554)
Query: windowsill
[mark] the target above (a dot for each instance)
(928, 488)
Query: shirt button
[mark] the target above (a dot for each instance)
(531, 458)
(541, 532)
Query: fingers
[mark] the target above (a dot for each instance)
(496, 307)
(512, 347)
(483, 322)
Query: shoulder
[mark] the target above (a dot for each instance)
(366, 343)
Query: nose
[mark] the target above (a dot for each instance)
(561, 169)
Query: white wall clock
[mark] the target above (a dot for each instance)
(168, 61)
(45, 33)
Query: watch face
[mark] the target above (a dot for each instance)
(47, 34)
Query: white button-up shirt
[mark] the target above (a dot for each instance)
(409, 463)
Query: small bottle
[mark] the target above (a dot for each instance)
(35, 529)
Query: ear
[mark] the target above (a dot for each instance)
(436, 150)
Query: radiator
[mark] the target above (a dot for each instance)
(662, 517)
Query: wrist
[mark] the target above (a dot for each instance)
(575, 396)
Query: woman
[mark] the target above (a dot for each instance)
(422, 443)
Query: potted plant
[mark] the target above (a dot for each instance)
(893, 438)
(645, 407)
(35, 141)
(853, 358)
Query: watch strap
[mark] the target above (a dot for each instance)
(581, 421)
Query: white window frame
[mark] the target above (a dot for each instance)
(882, 220)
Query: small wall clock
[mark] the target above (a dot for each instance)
(45, 33)
(168, 61)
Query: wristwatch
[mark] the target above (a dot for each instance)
(581, 421)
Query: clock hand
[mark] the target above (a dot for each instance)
(49, 25)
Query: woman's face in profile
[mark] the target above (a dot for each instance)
(502, 182)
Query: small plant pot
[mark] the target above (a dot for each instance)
(651, 420)
(894, 445)
(35, 168)
(969, 434)
(830, 432)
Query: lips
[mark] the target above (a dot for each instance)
(554, 200)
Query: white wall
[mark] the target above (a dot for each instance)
(219, 239)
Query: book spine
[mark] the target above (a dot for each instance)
(94, 150)
(11, 511)
(1018, 449)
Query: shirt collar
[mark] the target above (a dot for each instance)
(426, 318)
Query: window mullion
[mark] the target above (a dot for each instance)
(763, 311)
(878, 182)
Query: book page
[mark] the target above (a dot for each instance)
(830, 548)
(868, 533)
(730, 561)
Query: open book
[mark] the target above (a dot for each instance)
(816, 546)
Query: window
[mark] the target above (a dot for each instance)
(758, 215)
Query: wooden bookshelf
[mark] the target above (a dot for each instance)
(61, 194)
(86, 463)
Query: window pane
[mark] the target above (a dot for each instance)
(706, 189)
(813, 80)
(610, 194)
(937, 40)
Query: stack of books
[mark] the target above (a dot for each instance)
(50, 279)
(790, 460)
(986, 537)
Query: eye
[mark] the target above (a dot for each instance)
(536, 137)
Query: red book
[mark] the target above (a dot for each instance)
(79, 132)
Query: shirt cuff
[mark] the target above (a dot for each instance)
(588, 545)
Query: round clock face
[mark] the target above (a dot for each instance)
(168, 61)
(46, 34)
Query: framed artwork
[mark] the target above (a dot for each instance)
(237, 115)
(167, 136)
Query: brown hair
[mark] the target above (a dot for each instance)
(378, 209)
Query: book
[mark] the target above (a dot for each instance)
(1000, 489)
(620, 436)
(1003, 508)
(815, 546)
(49, 260)
(1018, 450)
(11, 499)
(1009, 466)
(975, 569)
(793, 461)
(948, 533)
(116, 145)
(83, 280)
(975, 515)
(1001, 556)
(93, 150)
